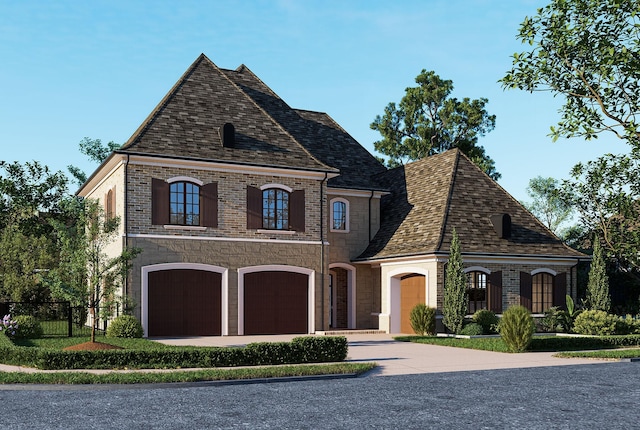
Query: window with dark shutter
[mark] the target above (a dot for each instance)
(254, 207)
(560, 290)
(476, 291)
(495, 292)
(541, 292)
(297, 213)
(209, 198)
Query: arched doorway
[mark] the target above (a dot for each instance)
(412, 292)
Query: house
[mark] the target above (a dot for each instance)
(257, 218)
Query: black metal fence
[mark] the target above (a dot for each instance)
(56, 318)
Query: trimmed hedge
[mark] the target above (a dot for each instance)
(299, 350)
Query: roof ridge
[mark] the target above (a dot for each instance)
(445, 215)
(165, 100)
(275, 121)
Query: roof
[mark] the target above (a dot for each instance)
(432, 196)
(187, 124)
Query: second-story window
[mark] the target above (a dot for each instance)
(339, 215)
(275, 209)
(184, 203)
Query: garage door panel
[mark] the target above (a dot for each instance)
(412, 292)
(183, 302)
(275, 303)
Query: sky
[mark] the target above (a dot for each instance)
(75, 69)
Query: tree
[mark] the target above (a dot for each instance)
(428, 121)
(606, 195)
(454, 306)
(587, 51)
(87, 273)
(546, 203)
(598, 297)
(96, 151)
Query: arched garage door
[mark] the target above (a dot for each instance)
(184, 302)
(275, 303)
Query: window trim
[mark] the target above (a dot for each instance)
(487, 281)
(184, 203)
(276, 220)
(346, 228)
(551, 285)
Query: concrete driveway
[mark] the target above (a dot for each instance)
(405, 358)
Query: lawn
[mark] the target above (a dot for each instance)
(63, 342)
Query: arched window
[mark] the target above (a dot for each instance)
(541, 292)
(477, 291)
(184, 203)
(339, 215)
(109, 204)
(275, 209)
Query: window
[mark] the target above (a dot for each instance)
(340, 215)
(477, 291)
(110, 204)
(185, 202)
(275, 209)
(541, 292)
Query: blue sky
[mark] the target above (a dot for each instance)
(71, 69)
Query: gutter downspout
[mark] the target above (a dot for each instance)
(322, 221)
(370, 198)
(125, 287)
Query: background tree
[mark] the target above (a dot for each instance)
(598, 297)
(428, 121)
(454, 306)
(546, 203)
(586, 51)
(96, 151)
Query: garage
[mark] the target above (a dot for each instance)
(184, 302)
(412, 292)
(276, 302)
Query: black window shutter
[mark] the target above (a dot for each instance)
(560, 290)
(159, 202)
(296, 210)
(254, 207)
(209, 198)
(495, 292)
(525, 290)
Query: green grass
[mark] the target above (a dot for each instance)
(61, 328)
(185, 376)
(63, 342)
(609, 354)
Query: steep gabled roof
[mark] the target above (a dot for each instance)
(432, 196)
(187, 123)
(316, 131)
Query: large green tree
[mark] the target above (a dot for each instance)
(429, 121)
(96, 151)
(588, 52)
(546, 203)
(454, 306)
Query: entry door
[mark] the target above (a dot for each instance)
(412, 292)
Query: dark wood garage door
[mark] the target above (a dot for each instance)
(184, 302)
(411, 293)
(275, 303)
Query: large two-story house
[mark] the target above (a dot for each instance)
(257, 218)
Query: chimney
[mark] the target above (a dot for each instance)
(228, 135)
(502, 225)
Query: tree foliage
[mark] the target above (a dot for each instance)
(454, 306)
(598, 297)
(96, 151)
(428, 121)
(587, 51)
(546, 203)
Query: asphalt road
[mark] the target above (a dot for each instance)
(598, 396)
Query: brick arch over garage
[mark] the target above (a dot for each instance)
(276, 299)
(217, 276)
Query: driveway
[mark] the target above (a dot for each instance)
(405, 358)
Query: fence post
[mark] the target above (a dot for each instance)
(69, 319)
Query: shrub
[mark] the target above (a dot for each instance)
(628, 325)
(472, 329)
(125, 326)
(8, 326)
(516, 328)
(595, 322)
(556, 320)
(423, 319)
(487, 320)
(28, 327)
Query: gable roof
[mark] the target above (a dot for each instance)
(187, 123)
(432, 196)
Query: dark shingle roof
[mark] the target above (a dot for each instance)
(432, 196)
(187, 123)
(316, 131)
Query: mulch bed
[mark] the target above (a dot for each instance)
(91, 346)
